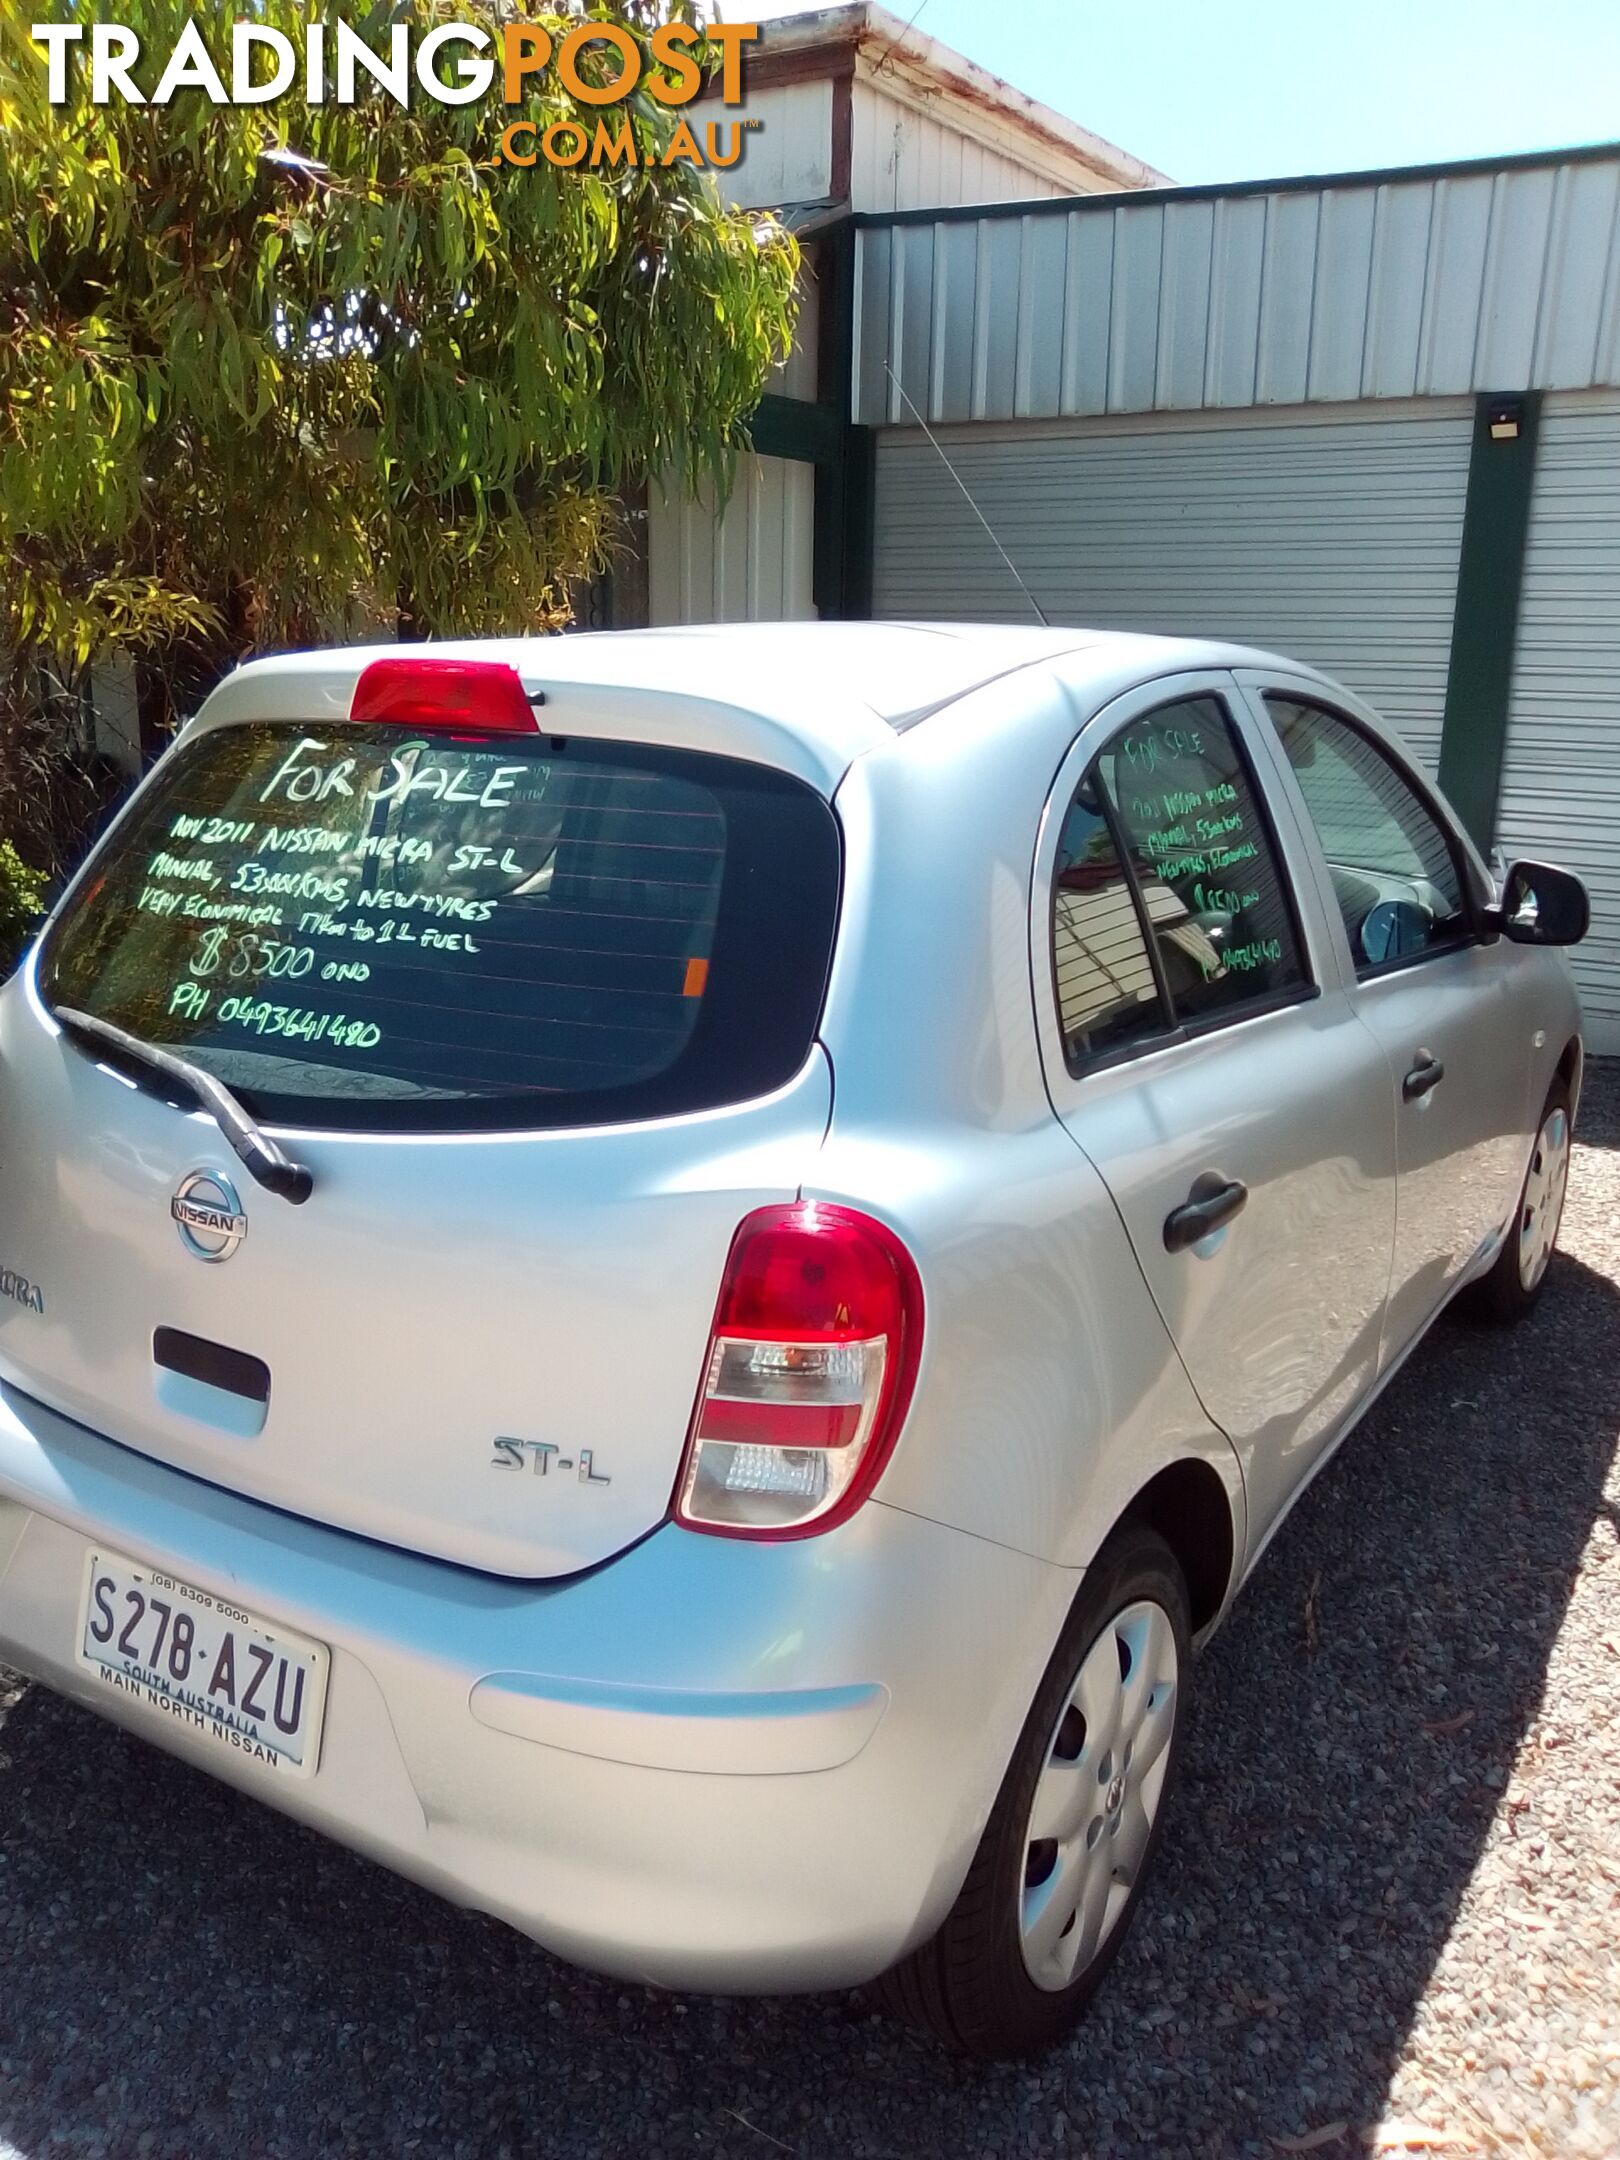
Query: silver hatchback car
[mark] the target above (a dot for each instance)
(663, 1279)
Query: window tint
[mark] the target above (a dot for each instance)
(365, 926)
(1107, 993)
(1395, 873)
(1204, 861)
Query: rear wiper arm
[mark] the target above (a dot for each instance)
(275, 1171)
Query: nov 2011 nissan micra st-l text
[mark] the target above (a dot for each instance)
(663, 1278)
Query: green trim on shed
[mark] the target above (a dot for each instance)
(857, 525)
(1485, 626)
(819, 433)
(794, 428)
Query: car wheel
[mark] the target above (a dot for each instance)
(1075, 1826)
(1519, 1274)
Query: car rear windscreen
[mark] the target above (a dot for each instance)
(366, 926)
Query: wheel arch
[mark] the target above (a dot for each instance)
(1571, 1065)
(1188, 1504)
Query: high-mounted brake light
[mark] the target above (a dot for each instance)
(475, 697)
(811, 1364)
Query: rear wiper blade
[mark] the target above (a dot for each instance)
(275, 1171)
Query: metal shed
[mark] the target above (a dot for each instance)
(1371, 420)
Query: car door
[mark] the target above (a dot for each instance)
(1202, 1051)
(1405, 895)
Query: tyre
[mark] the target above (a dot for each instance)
(1519, 1274)
(1075, 1826)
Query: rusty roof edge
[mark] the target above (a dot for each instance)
(881, 42)
(888, 41)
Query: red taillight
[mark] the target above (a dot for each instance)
(809, 1373)
(484, 697)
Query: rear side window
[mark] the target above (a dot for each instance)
(1208, 871)
(1107, 991)
(1170, 906)
(369, 927)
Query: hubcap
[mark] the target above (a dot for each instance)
(1543, 1203)
(1098, 1795)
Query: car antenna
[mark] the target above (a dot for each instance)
(1040, 612)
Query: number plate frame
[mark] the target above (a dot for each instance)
(233, 1730)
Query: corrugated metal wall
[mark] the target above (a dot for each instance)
(787, 156)
(750, 564)
(799, 374)
(1561, 779)
(1330, 536)
(1494, 280)
(902, 159)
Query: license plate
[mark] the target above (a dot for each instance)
(251, 1687)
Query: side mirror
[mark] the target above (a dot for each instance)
(1541, 905)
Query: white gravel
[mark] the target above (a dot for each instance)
(1386, 1918)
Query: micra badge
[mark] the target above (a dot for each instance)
(19, 1288)
(542, 1458)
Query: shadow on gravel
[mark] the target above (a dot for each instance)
(183, 1973)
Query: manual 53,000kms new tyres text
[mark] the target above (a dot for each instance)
(663, 1278)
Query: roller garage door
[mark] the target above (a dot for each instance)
(1561, 776)
(1330, 533)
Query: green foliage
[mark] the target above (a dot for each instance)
(240, 398)
(22, 902)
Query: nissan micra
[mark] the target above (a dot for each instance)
(663, 1279)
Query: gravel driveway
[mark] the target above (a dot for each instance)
(1390, 1894)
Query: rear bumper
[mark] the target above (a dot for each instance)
(707, 1764)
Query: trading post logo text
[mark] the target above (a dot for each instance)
(454, 63)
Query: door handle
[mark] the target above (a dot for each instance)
(1425, 1076)
(1209, 1207)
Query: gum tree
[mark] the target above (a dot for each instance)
(280, 371)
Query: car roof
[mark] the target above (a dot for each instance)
(900, 671)
(833, 689)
